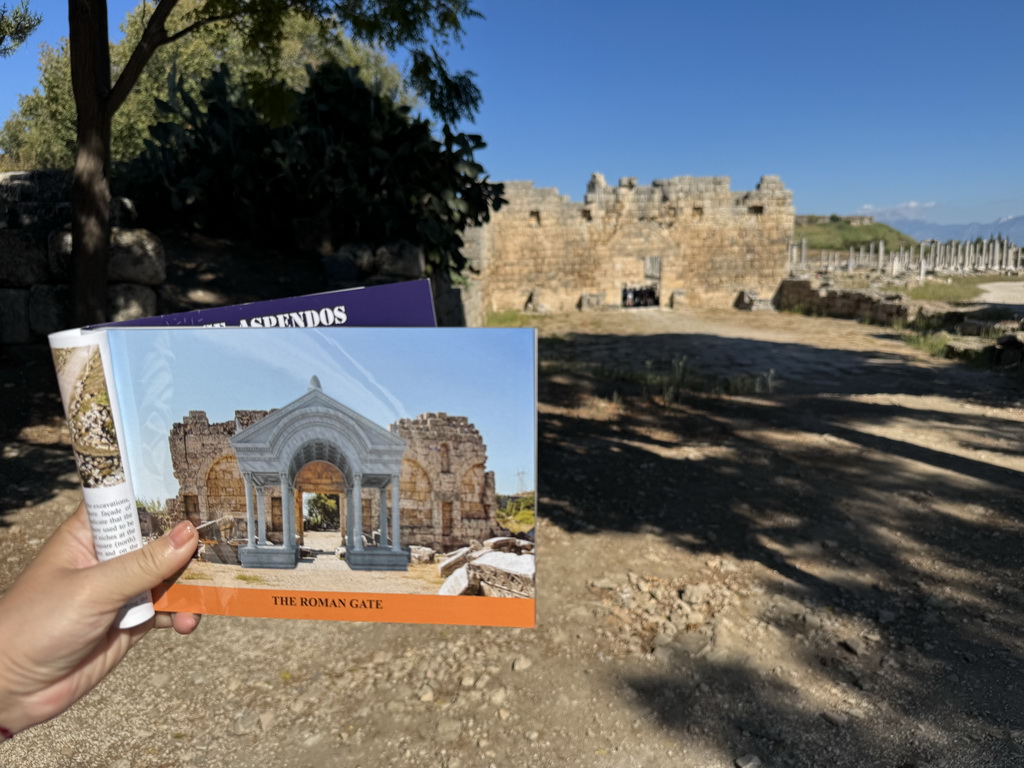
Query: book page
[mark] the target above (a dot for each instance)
(89, 396)
(369, 474)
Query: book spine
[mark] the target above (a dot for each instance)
(88, 392)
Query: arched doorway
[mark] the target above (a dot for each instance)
(315, 429)
(320, 479)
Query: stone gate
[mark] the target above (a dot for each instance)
(692, 240)
(422, 481)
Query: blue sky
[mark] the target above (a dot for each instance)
(859, 107)
(384, 374)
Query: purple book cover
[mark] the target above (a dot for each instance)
(405, 304)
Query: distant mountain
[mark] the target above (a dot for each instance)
(1011, 227)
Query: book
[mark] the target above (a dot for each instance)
(92, 422)
(333, 472)
(408, 303)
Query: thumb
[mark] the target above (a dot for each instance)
(128, 575)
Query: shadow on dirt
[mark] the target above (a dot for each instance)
(35, 459)
(858, 510)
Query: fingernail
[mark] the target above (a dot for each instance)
(181, 534)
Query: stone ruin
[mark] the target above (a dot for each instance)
(692, 240)
(35, 258)
(684, 241)
(504, 566)
(446, 496)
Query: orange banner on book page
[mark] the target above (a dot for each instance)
(342, 606)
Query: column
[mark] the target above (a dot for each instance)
(357, 512)
(383, 524)
(349, 523)
(287, 512)
(395, 543)
(250, 523)
(261, 513)
(803, 252)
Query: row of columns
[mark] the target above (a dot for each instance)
(256, 519)
(928, 256)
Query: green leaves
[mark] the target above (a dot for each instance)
(345, 161)
(43, 132)
(15, 26)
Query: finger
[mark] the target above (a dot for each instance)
(118, 580)
(185, 623)
(182, 623)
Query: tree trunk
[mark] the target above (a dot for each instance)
(90, 188)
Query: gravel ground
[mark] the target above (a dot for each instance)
(826, 575)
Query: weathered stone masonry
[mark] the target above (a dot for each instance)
(699, 242)
(446, 496)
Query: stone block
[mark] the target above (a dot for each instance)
(452, 562)
(22, 262)
(14, 324)
(137, 256)
(400, 259)
(59, 255)
(503, 574)
(457, 584)
(49, 308)
(122, 212)
(128, 301)
(35, 186)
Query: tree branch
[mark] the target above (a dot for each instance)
(153, 36)
(198, 25)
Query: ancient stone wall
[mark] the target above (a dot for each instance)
(35, 258)
(209, 483)
(699, 242)
(446, 496)
(802, 296)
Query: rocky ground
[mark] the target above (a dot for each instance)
(823, 574)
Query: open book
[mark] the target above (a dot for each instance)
(333, 472)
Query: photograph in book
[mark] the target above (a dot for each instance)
(83, 391)
(367, 474)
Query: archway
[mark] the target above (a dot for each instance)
(319, 478)
(224, 489)
(317, 429)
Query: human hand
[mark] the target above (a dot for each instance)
(58, 623)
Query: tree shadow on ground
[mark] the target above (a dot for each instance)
(863, 512)
(36, 456)
(205, 272)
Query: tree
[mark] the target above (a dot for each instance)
(15, 26)
(322, 513)
(336, 161)
(100, 90)
(42, 132)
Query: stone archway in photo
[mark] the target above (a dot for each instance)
(321, 477)
(316, 428)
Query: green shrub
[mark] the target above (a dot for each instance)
(517, 513)
(336, 160)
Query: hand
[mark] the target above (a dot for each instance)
(58, 633)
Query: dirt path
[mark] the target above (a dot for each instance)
(826, 575)
(1009, 293)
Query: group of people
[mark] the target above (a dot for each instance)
(639, 295)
